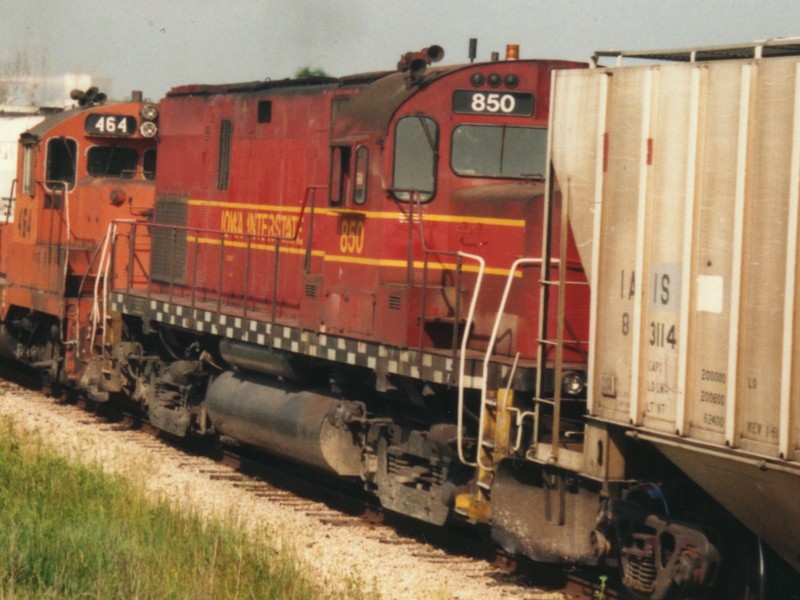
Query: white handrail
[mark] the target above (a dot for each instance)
(490, 348)
(463, 358)
(95, 315)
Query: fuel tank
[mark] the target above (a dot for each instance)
(307, 427)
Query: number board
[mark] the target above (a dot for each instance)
(519, 104)
(118, 125)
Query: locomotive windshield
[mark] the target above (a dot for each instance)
(112, 161)
(499, 151)
(415, 149)
(119, 161)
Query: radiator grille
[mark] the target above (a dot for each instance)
(168, 259)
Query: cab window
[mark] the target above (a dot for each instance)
(27, 170)
(340, 175)
(149, 164)
(362, 172)
(416, 143)
(112, 161)
(499, 151)
(62, 156)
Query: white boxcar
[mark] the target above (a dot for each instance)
(683, 181)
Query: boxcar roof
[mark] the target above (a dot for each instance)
(766, 48)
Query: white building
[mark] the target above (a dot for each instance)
(25, 102)
(13, 121)
(16, 90)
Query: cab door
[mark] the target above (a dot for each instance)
(350, 268)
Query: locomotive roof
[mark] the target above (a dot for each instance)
(56, 117)
(382, 92)
(367, 111)
(37, 131)
(274, 85)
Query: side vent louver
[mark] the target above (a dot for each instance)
(395, 302)
(224, 165)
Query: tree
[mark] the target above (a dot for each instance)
(308, 72)
(20, 78)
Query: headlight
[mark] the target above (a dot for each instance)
(573, 383)
(149, 112)
(148, 129)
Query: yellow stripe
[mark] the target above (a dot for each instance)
(394, 216)
(244, 206)
(267, 247)
(418, 264)
(357, 260)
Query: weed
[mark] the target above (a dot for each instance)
(601, 593)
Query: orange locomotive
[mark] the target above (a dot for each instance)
(77, 171)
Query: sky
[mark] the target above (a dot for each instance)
(153, 45)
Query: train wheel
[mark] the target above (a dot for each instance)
(765, 575)
(743, 574)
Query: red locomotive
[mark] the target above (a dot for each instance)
(364, 259)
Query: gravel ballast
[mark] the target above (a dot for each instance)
(378, 559)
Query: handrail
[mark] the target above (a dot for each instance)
(426, 252)
(97, 314)
(468, 326)
(462, 363)
(312, 191)
(10, 200)
(414, 194)
(65, 210)
(490, 347)
(251, 240)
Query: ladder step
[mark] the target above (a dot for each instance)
(448, 320)
(555, 342)
(419, 286)
(488, 444)
(558, 283)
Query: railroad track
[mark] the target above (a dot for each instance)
(334, 506)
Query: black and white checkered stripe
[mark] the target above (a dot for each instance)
(372, 355)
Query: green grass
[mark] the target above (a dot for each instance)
(69, 531)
